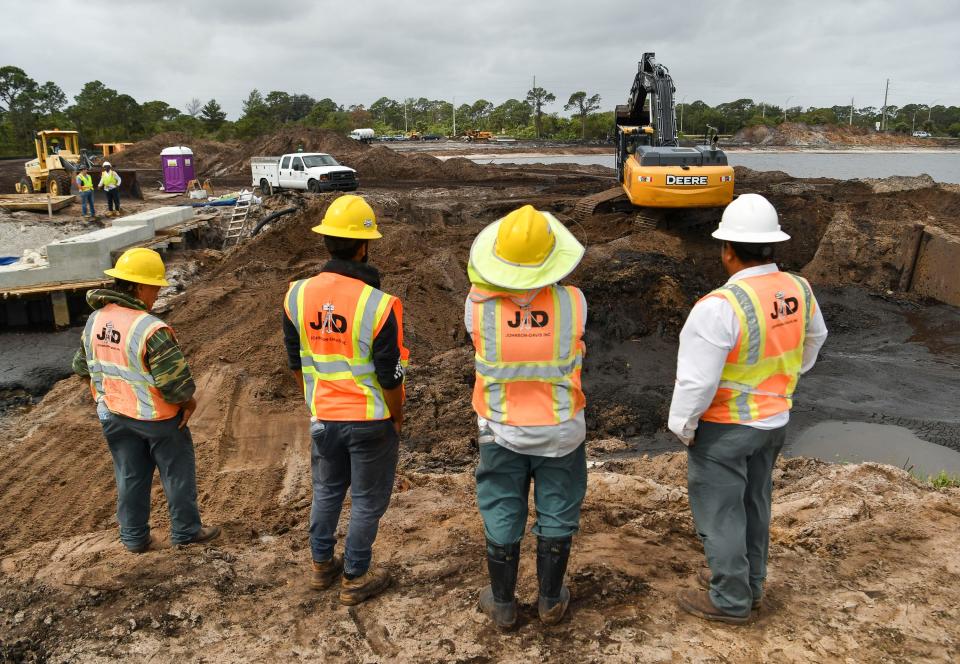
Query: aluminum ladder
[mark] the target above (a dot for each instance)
(237, 225)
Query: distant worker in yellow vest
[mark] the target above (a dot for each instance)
(344, 342)
(741, 353)
(110, 183)
(85, 187)
(144, 394)
(527, 331)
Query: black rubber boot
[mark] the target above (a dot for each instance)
(552, 556)
(497, 600)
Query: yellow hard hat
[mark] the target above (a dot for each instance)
(524, 237)
(351, 217)
(525, 249)
(140, 266)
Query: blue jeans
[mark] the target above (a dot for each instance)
(503, 484)
(137, 448)
(362, 456)
(86, 201)
(730, 487)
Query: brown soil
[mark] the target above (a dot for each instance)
(799, 134)
(229, 161)
(863, 559)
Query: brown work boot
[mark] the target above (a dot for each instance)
(325, 573)
(354, 591)
(698, 603)
(205, 534)
(704, 576)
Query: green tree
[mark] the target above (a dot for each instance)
(321, 112)
(212, 115)
(584, 106)
(954, 129)
(537, 97)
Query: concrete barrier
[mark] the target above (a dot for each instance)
(158, 218)
(936, 272)
(85, 257)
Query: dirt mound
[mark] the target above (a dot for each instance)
(800, 134)
(211, 158)
(232, 159)
(863, 566)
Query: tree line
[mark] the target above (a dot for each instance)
(102, 114)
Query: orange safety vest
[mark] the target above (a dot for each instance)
(115, 342)
(338, 318)
(528, 355)
(761, 372)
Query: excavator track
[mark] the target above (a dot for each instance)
(587, 206)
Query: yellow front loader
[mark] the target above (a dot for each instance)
(59, 158)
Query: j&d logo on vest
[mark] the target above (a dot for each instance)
(528, 320)
(109, 334)
(329, 322)
(784, 306)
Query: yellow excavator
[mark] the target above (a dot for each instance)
(59, 158)
(652, 169)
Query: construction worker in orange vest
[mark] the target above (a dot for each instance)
(527, 331)
(144, 394)
(344, 342)
(741, 353)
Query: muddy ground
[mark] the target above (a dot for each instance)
(864, 558)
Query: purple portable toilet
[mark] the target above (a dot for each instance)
(177, 166)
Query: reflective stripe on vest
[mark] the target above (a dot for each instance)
(762, 369)
(529, 354)
(338, 318)
(115, 359)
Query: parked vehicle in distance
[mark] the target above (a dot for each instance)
(503, 139)
(921, 134)
(432, 137)
(364, 135)
(312, 171)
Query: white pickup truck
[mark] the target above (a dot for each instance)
(313, 171)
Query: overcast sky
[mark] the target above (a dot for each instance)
(815, 53)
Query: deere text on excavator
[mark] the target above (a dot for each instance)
(653, 170)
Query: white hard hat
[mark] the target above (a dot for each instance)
(107, 163)
(750, 218)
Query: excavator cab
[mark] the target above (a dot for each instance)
(652, 167)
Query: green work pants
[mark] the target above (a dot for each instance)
(729, 481)
(503, 485)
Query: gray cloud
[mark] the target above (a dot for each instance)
(816, 53)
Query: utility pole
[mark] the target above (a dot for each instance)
(763, 111)
(536, 114)
(404, 116)
(851, 111)
(454, 117)
(785, 105)
(883, 117)
(681, 114)
(930, 109)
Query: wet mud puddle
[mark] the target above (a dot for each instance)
(853, 442)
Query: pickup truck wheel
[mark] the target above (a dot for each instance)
(313, 186)
(265, 188)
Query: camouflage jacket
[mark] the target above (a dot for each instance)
(164, 358)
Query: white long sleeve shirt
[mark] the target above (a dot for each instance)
(708, 336)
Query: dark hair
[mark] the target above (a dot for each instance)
(125, 287)
(342, 247)
(751, 252)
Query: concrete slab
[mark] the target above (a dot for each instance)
(936, 274)
(158, 218)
